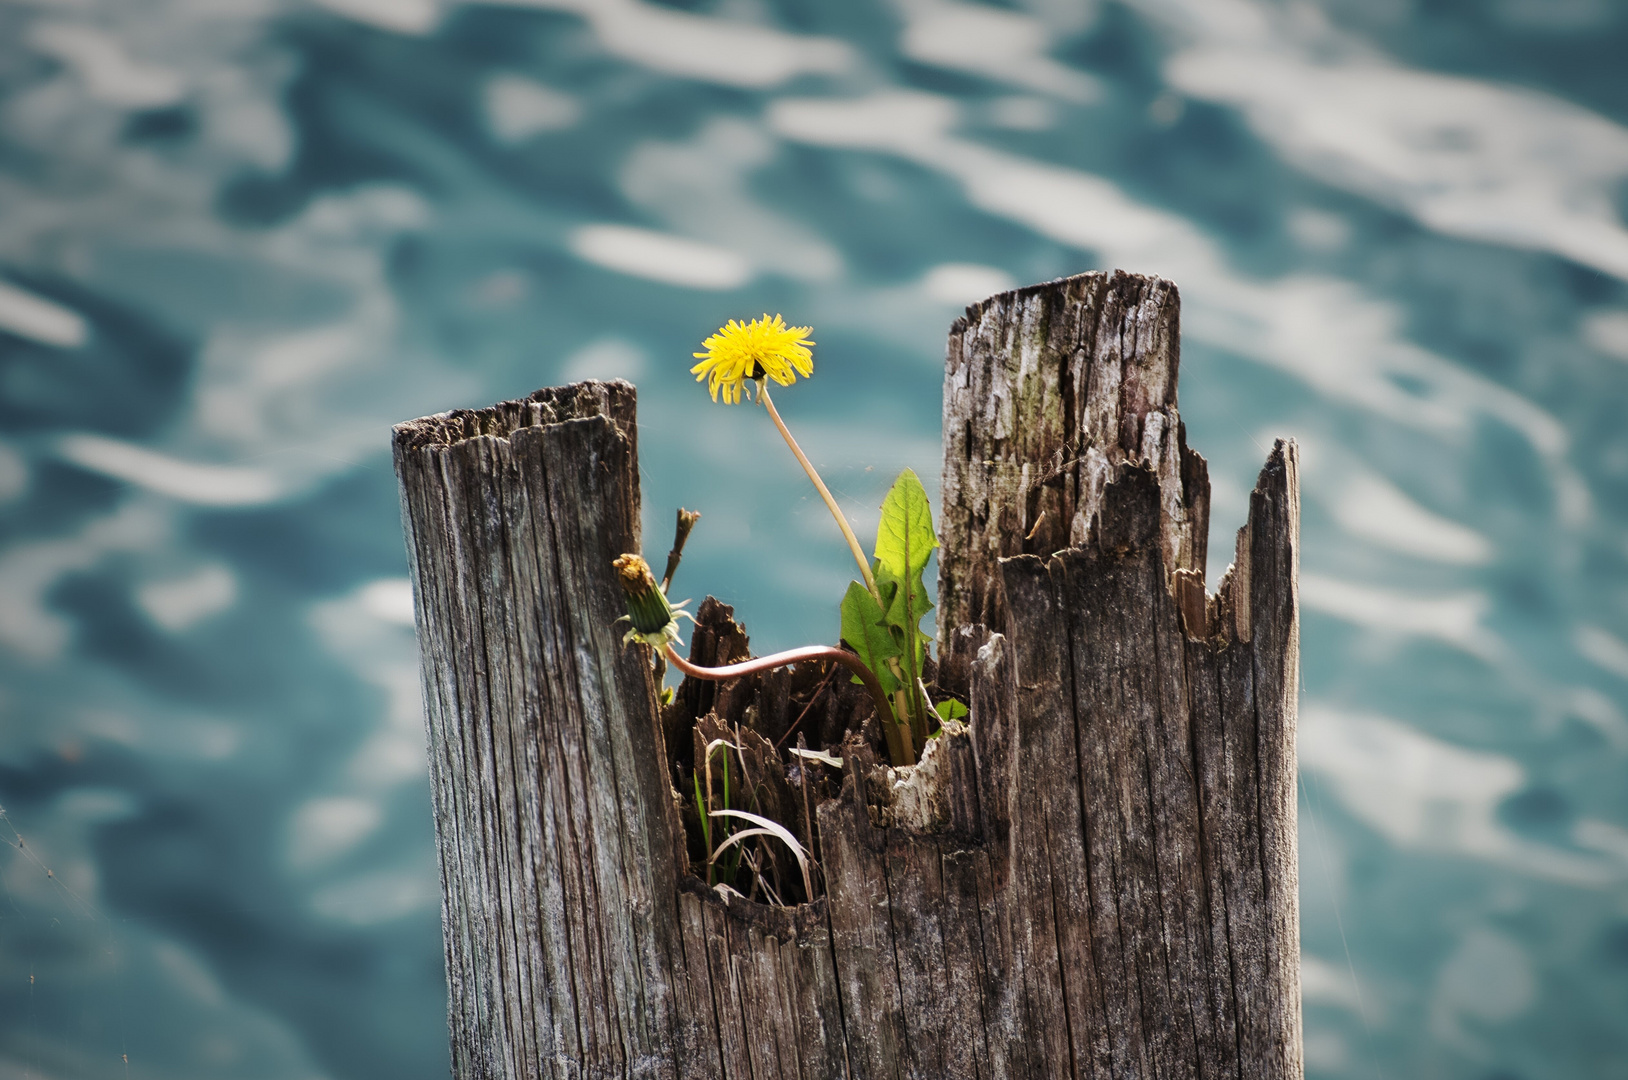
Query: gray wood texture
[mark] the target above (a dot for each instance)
(1094, 876)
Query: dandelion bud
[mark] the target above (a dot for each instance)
(655, 621)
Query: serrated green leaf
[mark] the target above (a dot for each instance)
(904, 538)
(865, 629)
(951, 709)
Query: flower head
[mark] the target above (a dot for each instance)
(764, 347)
(655, 621)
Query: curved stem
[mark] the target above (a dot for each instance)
(900, 749)
(830, 503)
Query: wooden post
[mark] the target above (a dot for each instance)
(1095, 876)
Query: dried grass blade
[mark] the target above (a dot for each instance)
(771, 828)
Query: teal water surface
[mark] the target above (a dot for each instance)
(240, 238)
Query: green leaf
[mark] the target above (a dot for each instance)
(865, 629)
(907, 605)
(904, 543)
(706, 822)
(904, 539)
(951, 709)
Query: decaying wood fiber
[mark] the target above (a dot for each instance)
(1094, 876)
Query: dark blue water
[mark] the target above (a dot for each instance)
(239, 238)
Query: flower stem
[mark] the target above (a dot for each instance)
(901, 748)
(681, 534)
(825, 493)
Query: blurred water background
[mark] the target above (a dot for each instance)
(240, 238)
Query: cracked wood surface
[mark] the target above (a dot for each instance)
(1094, 876)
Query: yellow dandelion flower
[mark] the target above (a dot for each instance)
(761, 348)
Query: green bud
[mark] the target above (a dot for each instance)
(655, 621)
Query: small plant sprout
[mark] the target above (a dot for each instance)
(764, 349)
(883, 624)
(881, 619)
(887, 651)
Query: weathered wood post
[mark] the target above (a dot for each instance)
(1094, 877)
